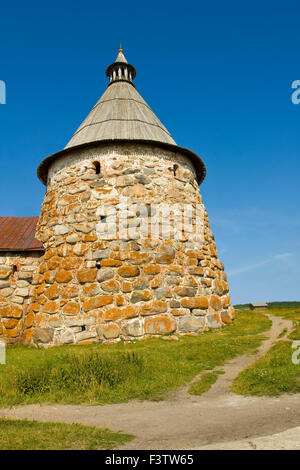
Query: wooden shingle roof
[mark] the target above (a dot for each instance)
(18, 234)
(121, 113)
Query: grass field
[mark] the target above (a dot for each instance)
(274, 373)
(32, 435)
(204, 383)
(99, 374)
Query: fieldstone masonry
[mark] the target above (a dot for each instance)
(105, 274)
(88, 288)
(16, 275)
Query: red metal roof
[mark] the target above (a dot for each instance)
(18, 234)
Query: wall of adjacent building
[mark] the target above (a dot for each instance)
(17, 270)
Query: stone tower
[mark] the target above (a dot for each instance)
(128, 248)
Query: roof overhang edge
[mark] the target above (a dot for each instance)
(42, 170)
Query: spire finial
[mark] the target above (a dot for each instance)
(120, 70)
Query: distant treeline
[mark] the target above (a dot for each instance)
(292, 304)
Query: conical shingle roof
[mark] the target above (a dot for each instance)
(121, 113)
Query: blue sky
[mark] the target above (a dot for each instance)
(217, 74)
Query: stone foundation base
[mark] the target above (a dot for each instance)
(87, 331)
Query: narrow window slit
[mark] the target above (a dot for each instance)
(14, 269)
(97, 168)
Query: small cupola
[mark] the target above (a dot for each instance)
(120, 70)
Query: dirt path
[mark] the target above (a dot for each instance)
(286, 440)
(185, 421)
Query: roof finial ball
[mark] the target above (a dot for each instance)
(110, 270)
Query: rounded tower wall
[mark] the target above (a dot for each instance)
(128, 249)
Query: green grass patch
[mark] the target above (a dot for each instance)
(33, 435)
(146, 370)
(204, 383)
(274, 373)
(79, 373)
(283, 333)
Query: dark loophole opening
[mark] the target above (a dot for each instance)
(175, 168)
(98, 264)
(97, 168)
(14, 268)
